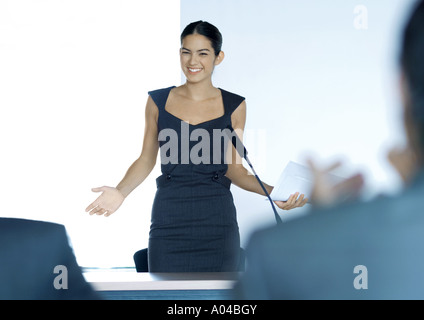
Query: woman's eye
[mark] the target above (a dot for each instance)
(203, 54)
(185, 52)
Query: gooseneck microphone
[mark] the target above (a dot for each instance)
(241, 150)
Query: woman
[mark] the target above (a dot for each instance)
(194, 226)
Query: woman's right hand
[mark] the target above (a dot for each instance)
(107, 203)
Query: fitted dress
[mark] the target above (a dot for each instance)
(194, 222)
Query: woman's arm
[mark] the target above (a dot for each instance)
(241, 177)
(143, 166)
(112, 198)
(237, 173)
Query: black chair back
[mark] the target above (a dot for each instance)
(141, 260)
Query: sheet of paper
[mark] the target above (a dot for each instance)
(296, 178)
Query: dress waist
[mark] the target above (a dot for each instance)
(193, 179)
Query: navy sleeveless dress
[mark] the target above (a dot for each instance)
(194, 224)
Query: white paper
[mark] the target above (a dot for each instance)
(296, 178)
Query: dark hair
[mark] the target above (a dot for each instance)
(412, 63)
(205, 29)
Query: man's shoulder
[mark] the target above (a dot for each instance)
(16, 224)
(26, 231)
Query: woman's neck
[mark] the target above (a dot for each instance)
(200, 90)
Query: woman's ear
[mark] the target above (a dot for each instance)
(219, 58)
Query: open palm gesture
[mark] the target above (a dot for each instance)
(107, 203)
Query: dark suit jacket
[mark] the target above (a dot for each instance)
(29, 253)
(313, 257)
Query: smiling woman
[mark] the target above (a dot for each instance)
(194, 222)
(201, 49)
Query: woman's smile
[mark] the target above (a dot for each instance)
(194, 71)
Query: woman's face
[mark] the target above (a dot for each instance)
(198, 58)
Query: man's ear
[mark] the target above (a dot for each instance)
(219, 58)
(404, 89)
(410, 125)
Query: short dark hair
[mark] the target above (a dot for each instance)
(205, 29)
(412, 63)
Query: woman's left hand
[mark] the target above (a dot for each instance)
(295, 201)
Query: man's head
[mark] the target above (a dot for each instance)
(412, 64)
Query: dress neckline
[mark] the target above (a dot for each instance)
(201, 123)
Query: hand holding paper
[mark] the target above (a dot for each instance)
(296, 200)
(294, 178)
